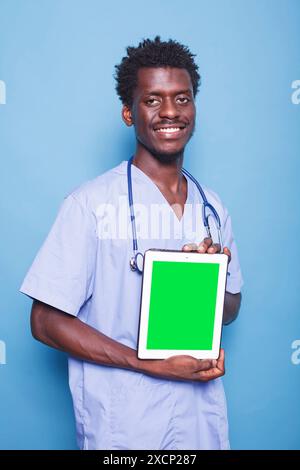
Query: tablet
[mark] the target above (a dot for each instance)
(181, 304)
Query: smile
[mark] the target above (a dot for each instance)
(168, 130)
(172, 131)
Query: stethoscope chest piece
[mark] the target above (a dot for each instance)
(137, 262)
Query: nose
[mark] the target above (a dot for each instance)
(168, 109)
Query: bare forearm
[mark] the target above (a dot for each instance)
(231, 307)
(62, 331)
(71, 335)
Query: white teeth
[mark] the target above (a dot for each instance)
(169, 130)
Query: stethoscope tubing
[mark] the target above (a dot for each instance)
(205, 217)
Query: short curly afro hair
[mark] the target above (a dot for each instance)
(153, 53)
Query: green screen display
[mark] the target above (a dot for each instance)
(182, 305)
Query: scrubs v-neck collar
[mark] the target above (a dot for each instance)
(140, 174)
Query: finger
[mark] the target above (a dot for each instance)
(204, 364)
(204, 245)
(190, 247)
(222, 354)
(214, 248)
(227, 252)
(221, 361)
(206, 375)
(218, 369)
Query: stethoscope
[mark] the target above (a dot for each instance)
(137, 259)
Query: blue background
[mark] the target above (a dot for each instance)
(61, 125)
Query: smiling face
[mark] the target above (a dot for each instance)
(163, 111)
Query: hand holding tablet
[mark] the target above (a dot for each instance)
(182, 303)
(184, 368)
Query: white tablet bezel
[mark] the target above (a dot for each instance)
(180, 256)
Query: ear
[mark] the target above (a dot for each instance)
(127, 115)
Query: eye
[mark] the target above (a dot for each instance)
(183, 100)
(152, 101)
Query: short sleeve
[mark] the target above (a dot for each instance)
(234, 275)
(62, 273)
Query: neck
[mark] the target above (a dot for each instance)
(165, 174)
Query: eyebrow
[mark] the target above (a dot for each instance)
(158, 93)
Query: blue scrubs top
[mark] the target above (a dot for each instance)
(83, 269)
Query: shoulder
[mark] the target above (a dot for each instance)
(102, 189)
